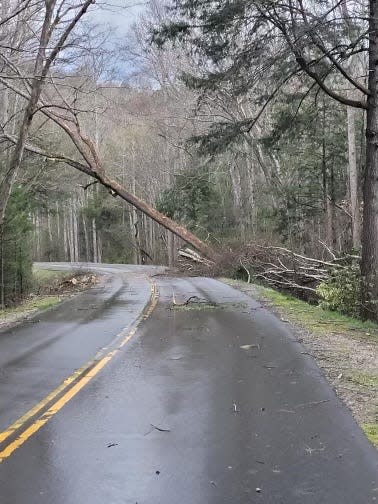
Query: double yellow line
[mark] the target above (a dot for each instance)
(68, 389)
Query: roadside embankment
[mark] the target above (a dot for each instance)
(50, 288)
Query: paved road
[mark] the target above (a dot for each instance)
(212, 405)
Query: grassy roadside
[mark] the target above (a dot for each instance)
(50, 288)
(346, 349)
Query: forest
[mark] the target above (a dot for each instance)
(246, 131)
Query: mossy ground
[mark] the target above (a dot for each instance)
(50, 288)
(345, 348)
(365, 379)
(371, 431)
(317, 319)
(27, 308)
(45, 280)
(42, 276)
(40, 303)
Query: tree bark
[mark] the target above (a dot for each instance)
(94, 240)
(353, 178)
(42, 66)
(15, 162)
(86, 240)
(328, 189)
(369, 262)
(65, 235)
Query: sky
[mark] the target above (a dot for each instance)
(120, 14)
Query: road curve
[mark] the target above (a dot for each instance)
(217, 404)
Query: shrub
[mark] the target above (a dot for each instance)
(341, 292)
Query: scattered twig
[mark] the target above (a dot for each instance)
(160, 429)
(236, 409)
(155, 427)
(312, 403)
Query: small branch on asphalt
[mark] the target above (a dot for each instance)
(312, 403)
(155, 427)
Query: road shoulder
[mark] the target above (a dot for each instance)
(345, 349)
(51, 288)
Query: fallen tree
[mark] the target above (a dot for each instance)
(274, 266)
(45, 94)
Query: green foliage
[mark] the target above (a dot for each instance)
(311, 146)
(342, 291)
(317, 319)
(112, 221)
(194, 201)
(15, 249)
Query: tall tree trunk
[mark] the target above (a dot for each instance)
(65, 235)
(99, 247)
(94, 168)
(49, 230)
(71, 234)
(58, 234)
(94, 241)
(353, 178)
(76, 232)
(36, 87)
(38, 229)
(2, 270)
(332, 207)
(86, 240)
(369, 262)
(236, 181)
(170, 249)
(328, 189)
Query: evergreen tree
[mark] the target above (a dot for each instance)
(15, 249)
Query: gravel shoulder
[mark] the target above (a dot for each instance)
(344, 348)
(51, 288)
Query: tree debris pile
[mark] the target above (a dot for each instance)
(274, 266)
(71, 282)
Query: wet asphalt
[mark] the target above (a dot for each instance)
(209, 405)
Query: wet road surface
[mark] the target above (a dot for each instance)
(208, 405)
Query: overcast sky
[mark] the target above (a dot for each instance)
(121, 17)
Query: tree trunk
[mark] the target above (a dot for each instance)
(65, 235)
(36, 87)
(353, 178)
(2, 270)
(94, 168)
(369, 262)
(328, 190)
(170, 249)
(236, 182)
(144, 207)
(86, 240)
(58, 230)
(99, 247)
(94, 240)
(76, 232)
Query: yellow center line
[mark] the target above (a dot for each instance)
(58, 405)
(40, 422)
(38, 407)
